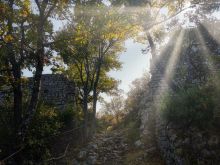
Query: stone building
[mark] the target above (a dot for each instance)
(57, 89)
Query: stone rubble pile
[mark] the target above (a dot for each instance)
(105, 149)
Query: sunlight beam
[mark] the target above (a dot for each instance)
(206, 52)
(174, 57)
(162, 86)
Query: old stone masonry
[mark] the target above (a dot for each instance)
(56, 89)
(171, 139)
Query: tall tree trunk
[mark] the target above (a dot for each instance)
(153, 64)
(95, 97)
(36, 88)
(16, 73)
(85, 112)
(17, 99)
(40, 54)
(17, 90)
(94, 107)
(15, 76)
(152, 45)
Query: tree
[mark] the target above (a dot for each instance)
(25, 37)
(45, 10)
(13, 51)
(92, 49)
(151, 18)
(115, 107)
(137, 92)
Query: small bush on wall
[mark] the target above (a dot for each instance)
(45, 124)
(194, 106)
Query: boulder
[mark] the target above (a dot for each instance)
(93, 146)
(82, 155)
(213, 141)
(151, 150)
(138, 143)
(75, 162)
(91, 160)
(206, 153)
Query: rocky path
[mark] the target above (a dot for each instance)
(112, 148)
(104, 149)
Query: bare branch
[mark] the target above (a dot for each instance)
(50, 10)
(15, 153)
(167, 19)
(61, 156)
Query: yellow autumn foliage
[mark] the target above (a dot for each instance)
(8, 38)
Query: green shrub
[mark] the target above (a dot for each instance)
(67, 116)
(104, 123)
(46, 123)
(133, 132)
(6, 129)
(46, 126)
(71, 116)
(192, 106)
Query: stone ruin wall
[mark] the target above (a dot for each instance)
(57, 89)
(168, 139)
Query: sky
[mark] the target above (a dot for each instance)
(134, 64)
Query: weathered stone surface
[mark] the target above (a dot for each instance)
(151, 150)
(93, 146)
(91, 160)
(56, 89)
(75, 162)
(138, 143)
(172, 141)
(82, 155)
(103, 149)
(213, 141)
